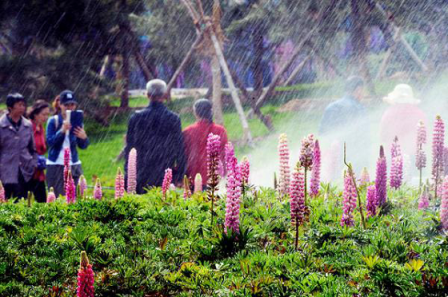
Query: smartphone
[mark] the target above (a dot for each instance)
(76, 119)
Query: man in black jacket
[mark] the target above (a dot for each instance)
(156, 134)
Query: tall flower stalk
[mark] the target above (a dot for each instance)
(198, 183)
(82, 186)
(371, 201)
(86, 278)
(51, 197)
(187, 190)
(420, 156)
(98, 190)
(444, 205)
(66, 165)
(306, 161)
(2, 193)
(284, 178)
(167, 179)
(245, 172)
(315, 173)
(396, 168)
(132, 171)
(234, 183)
(70, 190)
(350, 196)
(437, 152)
(297, 200)
(381, 179)
(119, 184)
(213, 145)
(423, 202)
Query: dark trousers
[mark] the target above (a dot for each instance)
(39, 190)
(55, 177)
(18, 190)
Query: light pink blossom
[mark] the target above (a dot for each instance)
(119, 184)
(350, 197)
(284, 178)
(167, 181)
(234, 183)
(98, 190)
(132, 171)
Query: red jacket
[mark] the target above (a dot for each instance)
(195, 138)
(41, 148)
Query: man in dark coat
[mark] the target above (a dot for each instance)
(156, 134)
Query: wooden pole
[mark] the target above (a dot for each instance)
(217, 90)
(296, 70)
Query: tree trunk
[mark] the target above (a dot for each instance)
(217, 90)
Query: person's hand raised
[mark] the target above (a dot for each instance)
(80, 133)
(66, 126)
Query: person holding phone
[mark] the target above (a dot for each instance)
(60, 135)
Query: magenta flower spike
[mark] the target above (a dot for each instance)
(420, 157)
(119, 184)
(315, 173)
(213, 151)
(198, 183)
(307, 152)
(371, 201)
(66, 164)
(51, 197)
(70, 189)
(423, 202)
(132, 171)
(285, 175)
(437, 152)
(2, 193)
(381, 179)
(98, 190)
(365, 177)
(297, 197)
(82, 186)
(167, 181)
(245, 170)
(396, 169)
(349, 202)
(234, 184)
(444, 205)
(86, 278)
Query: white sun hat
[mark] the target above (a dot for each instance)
(401, 94)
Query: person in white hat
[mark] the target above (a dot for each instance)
(401, 118)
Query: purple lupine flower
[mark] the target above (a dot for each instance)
(66, 165)
(423, 202)
(132, 171)
(315, 173)
(350, 197)
(306, 152)
(371, 201)
(98, 190)
(2, 193)
(396, 168)
(297, 197)
(245, 170)
(234, 183)
(437, 151)
(198, 183)
(119, 184)
(381, 179)
(51, 197)
(283, 151)
(82, 186)
(167, 181)
(70, 189)
(444, 205)
(86, 278)
(365, 177)
(420, 156)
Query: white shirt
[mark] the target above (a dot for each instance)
(60, 159)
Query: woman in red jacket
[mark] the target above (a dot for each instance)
(39, 115)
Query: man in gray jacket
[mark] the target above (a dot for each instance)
(18, 156)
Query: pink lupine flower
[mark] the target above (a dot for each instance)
(119, 184)
(350, 197)
(167, 181)
(420, 157)
(86, 278)
(234, 183)
(283, 151)
(66, 165)
(371, 201)
(245, 170)
(444, 205)
(306, 152)
(381, 179)
(437, 151)
(213, 161)
(82, 186)
(297, 197)
(423, 202)
(198, 183)
(2, 193)
(98, 190)
(396, 168)
(70, 189)
(51, 197)
(315, 173)
(365, 177)
(132, 171)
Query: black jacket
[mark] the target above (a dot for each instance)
(156, 134)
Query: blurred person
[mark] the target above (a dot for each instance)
(18, 156)
(195, 137)
(155, 132)
(39, 115)
(401, 118)
(60, 137)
